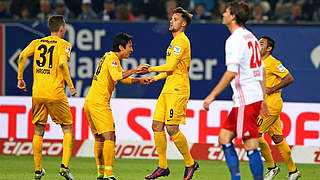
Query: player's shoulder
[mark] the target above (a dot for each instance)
(181, 39)
(274, 60)
(64, 42)
(35, 41)
(110, 56)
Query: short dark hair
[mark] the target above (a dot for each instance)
(241, 10)
(270, 42)
(185, 14)
(120, 39)
(54, 22)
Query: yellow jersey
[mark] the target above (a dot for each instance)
(178, 58)
(48, 80)
(275, 71)
(106, 76)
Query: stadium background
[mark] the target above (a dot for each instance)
(297, 46)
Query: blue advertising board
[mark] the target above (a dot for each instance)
(296, 46)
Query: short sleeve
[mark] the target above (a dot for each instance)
(234, 51)
(113, 67)
(279, 70)
(66, 49)
(233, 67)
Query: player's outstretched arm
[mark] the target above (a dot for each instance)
(63, 66)
(223, 83)
(169, 66)
(151, 79)
(140, 68)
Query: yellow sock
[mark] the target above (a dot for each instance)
(266, 153)
(37, 151)
(160, 141)
(107, 171)
(285, 153)
(181, 143)
(67, 148)
(100, 170)
(98, 154)
(108, 154)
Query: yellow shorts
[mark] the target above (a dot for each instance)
(100, 117)
(270, 125)
(171, 109)
(58, 109)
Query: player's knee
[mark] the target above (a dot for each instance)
(251, 144)
(157, 126)
(223, 140)
(110, 135)
(277, 139)
(39, 129)
(98, 137)
(172, 130)
(67, 128)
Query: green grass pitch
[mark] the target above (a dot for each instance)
(21, 167)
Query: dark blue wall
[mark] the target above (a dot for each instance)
(90, 41)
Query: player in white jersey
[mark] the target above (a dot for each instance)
(245, 72)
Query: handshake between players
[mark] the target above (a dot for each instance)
(143, 69)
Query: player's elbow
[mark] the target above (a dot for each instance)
(62, 67)
(291, 80)
(22, 57)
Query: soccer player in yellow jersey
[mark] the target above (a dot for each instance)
(50, 71)
(97, 103)
(172, 103)
(277, 77)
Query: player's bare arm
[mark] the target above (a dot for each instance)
(223, 83)
(288, 79)
(63, 66)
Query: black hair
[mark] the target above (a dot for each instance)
(241, 11)
(270, 42)
(120, 39)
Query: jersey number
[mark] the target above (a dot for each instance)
(171, 113)
(100, 65)
(42, 55)
(255, 58)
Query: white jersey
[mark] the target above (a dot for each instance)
(243, 56)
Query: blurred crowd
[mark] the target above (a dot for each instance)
(262, 11)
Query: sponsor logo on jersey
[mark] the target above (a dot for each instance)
(281, 68)
(176, 50)
(114, 63)
(68, 50)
